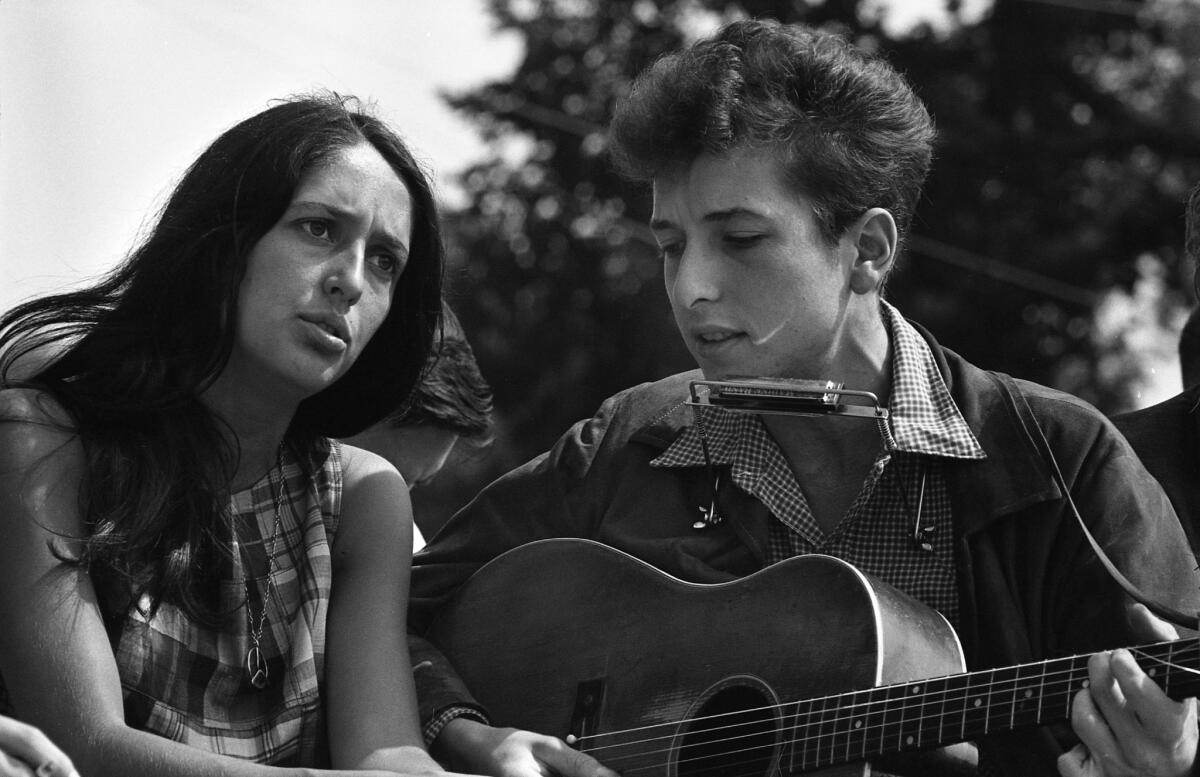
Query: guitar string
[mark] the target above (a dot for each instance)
(817, 760)
(866, 735)
(987, 687)
(868, 729)
(832, 753)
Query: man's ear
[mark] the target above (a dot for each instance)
(876, 240)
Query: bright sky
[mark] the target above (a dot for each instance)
(104, 104)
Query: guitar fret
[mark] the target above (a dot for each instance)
(1026, 701)
(825, 731)
(938, 689)
(1003, 701)
(857, 725)
(1166, 673)
(1041, 697)
(800, 727)
(893, 716)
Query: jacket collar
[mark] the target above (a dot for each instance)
(1015, 473)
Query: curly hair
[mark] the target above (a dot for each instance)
(850, 132)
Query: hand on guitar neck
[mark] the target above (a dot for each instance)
(1126, 724)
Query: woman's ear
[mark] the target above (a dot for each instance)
(875, 239)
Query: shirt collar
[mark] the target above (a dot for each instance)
(921, 412)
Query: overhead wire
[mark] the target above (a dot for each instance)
(1004, 272)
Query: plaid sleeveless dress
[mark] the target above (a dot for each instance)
(190, 684)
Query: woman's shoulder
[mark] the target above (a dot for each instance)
(376, 514)
(41, 457)
(30, 420)
(32, 405)
(360, 466)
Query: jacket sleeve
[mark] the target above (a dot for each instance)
(1044, 593)
(1131, 518)
(538, 500)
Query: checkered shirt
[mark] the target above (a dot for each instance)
(189, 683)
(877, 532)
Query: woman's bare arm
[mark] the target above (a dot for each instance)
(373, 720)
(54, 653)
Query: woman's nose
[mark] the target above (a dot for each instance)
(345, 276)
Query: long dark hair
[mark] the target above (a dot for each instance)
(129, 356)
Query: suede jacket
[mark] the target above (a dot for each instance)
(1030, 586)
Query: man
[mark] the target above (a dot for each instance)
(451, 404)
(785, 166)
(1166, 436)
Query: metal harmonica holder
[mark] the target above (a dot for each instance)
(785, 396)
(778, 396)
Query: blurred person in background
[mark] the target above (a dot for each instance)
(785, 166)
(1189, 349)
(1166, 436)
(451, 404)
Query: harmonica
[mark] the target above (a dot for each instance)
(785, 396)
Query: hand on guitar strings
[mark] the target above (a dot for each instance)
(1126, 725)
(509, 752)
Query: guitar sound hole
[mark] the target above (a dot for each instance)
(732, 735)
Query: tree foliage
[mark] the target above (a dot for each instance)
(1067, 144)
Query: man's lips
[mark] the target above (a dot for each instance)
(714, 338)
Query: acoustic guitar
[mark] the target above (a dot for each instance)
(806, 665)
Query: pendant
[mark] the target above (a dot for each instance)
(256, 668)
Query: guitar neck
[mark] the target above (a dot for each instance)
(864, 724)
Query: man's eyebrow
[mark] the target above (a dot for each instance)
(725, 214)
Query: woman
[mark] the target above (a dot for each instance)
(188, 556)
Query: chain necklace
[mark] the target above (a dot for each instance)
(256, 667)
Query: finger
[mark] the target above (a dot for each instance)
(1148, 626)
(1105, 692)
(30, 745)
(14, 767)
(1155, 712)
(1094, 733)
(1074, 762)
(570, 762)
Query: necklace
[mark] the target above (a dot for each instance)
(256, 667)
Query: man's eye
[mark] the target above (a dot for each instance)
(670, 251)
(743, 240)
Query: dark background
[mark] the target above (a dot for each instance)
(1048, 244)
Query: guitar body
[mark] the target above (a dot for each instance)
(571, 637)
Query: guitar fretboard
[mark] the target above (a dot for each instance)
(861, 725)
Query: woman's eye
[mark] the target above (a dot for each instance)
(388, 264)
(318, 228)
